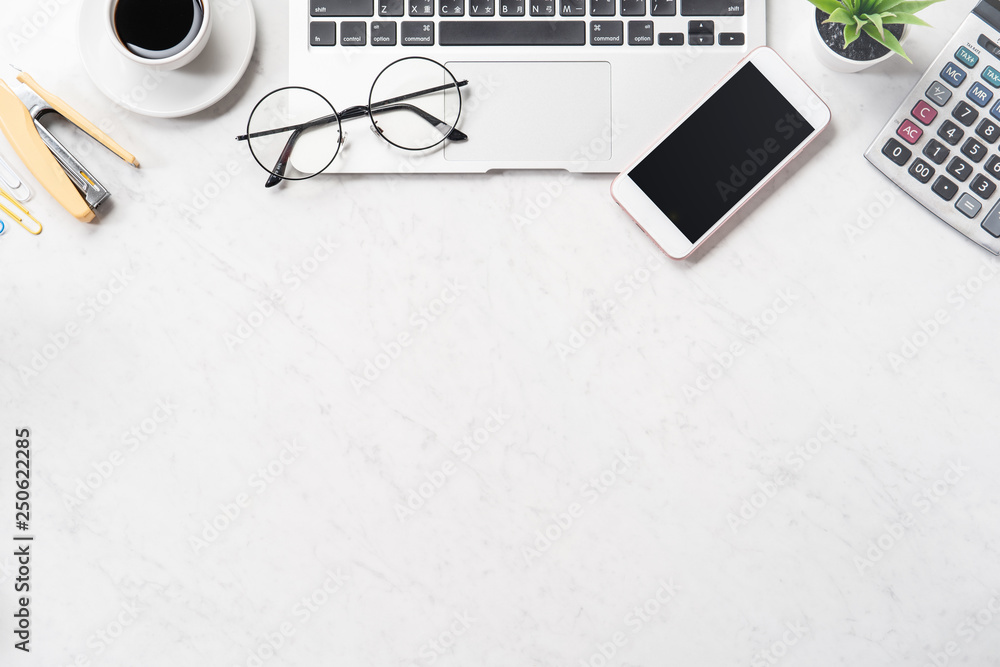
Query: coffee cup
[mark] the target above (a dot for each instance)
(165, 34)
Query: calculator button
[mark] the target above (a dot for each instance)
(960, 169)
(938, 94)
(944, 188)
(897, 152)
(965, 114)
(983, 186)
(910, 132)
(988, 131)
(967, 57)
(995, 111)
(953, 74)
(951, 133)
(969, 205)
(979, 94)
(993, 166)
(992, 222)
(924, 112)
(936, 151)
(992, 77)
(974, 150)
(921, 171)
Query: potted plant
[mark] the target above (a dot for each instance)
(852, 35)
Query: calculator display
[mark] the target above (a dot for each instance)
(712, 160)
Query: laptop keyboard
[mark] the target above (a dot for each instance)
(519, 22)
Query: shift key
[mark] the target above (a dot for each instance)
(712, 7)
(341, 8)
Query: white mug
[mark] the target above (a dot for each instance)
(180, 59)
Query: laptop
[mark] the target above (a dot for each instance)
(578, 85)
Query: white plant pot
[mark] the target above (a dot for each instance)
(839, 63)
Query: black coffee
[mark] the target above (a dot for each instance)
(157, 28)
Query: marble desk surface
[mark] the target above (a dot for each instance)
(479, 420)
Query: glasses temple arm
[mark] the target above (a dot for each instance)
(279, 168)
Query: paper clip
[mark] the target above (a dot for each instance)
(15, 216)
(11, 180)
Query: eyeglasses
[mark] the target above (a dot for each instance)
(294, 133)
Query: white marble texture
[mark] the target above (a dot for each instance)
(117, 579)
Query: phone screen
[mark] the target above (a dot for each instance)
(721, 152)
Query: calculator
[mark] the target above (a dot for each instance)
(940, 146)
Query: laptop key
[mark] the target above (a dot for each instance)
(451, 8)
(416, 33)
(383, 33)
(634, 8)
(421, 7)
(606, 33)
(542, 7)
(602, 7)
(663, 7)
(513, 33)
(701, 40)
(712, 7)
(481, 8)
(732, 39)
(983, 186)
(353, 33)
(511, 7)
(640, 33)
(341, 8)
(323, 33)
(390, 7)
(670, 39)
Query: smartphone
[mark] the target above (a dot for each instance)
(716, 157)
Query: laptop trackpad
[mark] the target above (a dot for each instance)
(533, 111)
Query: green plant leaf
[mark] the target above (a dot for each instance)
(913, 6)
(840, 16)
(889, 41)
(876, 20)
(850, 34)
(828, 6)
(908, 19)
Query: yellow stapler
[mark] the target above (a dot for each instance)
(59, 172)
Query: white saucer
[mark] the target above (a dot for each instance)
(180, 92)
